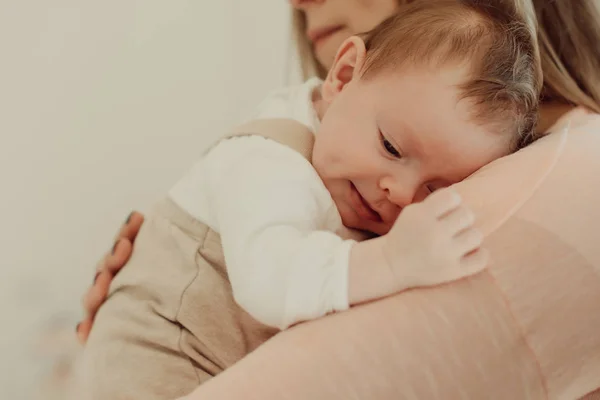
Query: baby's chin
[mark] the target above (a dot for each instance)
(368, 229)
(374, 232)
(354, 234)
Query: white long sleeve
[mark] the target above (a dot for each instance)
(276, 220)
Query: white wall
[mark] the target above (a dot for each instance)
(103, 104)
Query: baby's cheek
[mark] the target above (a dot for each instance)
(327, 154)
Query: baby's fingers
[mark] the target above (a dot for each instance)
(458, 220)
(442, 202)
(475, 262)
(468, 241)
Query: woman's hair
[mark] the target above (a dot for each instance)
(569, 41)
(308, 61)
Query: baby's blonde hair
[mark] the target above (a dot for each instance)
(569, 39)
(504, 76)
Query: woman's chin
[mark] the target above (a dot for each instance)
(325, 56)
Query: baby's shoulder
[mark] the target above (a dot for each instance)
(291, 102)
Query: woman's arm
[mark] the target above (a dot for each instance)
(452, 341)
(106, 269)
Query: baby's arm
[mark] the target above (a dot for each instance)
(274, 216)
(284, 263)
(431, 243)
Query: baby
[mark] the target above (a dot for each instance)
(253, 239)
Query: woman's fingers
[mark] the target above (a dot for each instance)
(92, 300)
(96, 295)
(131, 227)
(121, 251)
(83, 330)
(108, 266)
(118, 257)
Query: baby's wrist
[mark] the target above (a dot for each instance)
(398, 272)
(370, 275)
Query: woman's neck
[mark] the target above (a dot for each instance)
(550, 113)
(319, 104)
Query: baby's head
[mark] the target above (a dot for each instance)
(421, 102)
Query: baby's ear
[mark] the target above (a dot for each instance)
(346, 67)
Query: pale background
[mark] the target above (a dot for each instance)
(103, 104)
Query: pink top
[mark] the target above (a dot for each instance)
(527, 328)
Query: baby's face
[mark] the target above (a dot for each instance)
(392, 139)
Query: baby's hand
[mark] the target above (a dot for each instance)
(434, 242)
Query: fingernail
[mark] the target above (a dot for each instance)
(114, 248)
(96, 277)
(77, 327)
(129, 218)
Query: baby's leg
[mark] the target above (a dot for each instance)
(132, 353)
(134, 350)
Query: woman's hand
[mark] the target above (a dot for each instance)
(106, 269)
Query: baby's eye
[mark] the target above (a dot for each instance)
(390, 147)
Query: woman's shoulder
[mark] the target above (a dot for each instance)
(573, 142)
(579, 119)
(581, 128)
(576, 136)
(546, 173)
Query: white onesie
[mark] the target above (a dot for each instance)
(276, 219)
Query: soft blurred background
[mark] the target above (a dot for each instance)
(103, 105)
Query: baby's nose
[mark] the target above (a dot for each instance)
(397, 194)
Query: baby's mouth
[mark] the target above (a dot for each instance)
(362, 207)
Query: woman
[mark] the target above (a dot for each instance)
(570, 38)
(569, 34)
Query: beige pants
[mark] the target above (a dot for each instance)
(170, 322)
